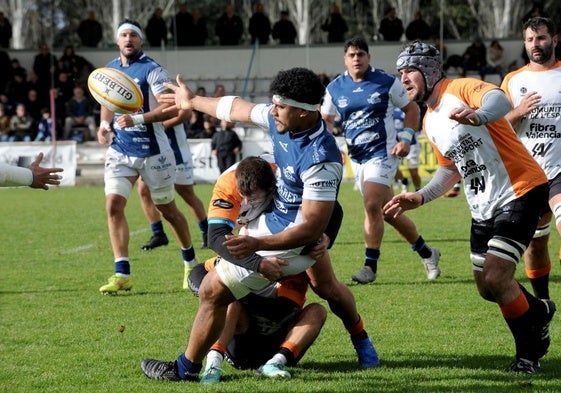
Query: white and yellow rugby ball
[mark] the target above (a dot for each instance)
(115, 90)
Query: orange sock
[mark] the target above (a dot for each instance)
(356, 328)
(537, 273)
(218, 346)
(293, 348)
(516, 308)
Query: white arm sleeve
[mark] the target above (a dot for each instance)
(443, 179)
(11, 176)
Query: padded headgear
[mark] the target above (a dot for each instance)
(425, 58)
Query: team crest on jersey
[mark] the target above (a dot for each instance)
(374, 98)
(342, 102)
(289, 173)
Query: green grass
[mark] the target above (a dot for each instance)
(58, 334)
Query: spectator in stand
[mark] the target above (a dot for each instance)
(196, 123)
(335, 25)
(181, 26)
(76, 66)
(4, 124)
(229, 27)
(17, 88)
(6, 67)
(45, 65)
(90, 31)
(21, 126)
(9, 106)
(219, 91)
(200, 32)
(495, 59)
(33, 105)
(418, 29)
(5, 31)
(259, 25)
(226, 145)
(536, 10)
(284, 30)
(156, 29)
(45, 127)
(209, 127)
(79, 113)
(64, 90)
(391, 27)
(475, 58)
(18, 69)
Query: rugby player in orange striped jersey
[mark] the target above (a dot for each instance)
(505, 189)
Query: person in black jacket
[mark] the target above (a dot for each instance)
(156, 29)
(229, 27)
(335, 25)
(259, 25)
(90, 31)
(284, 30)
(225, 145)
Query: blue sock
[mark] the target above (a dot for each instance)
(122, 266)
(421, 248)
(157, 228)
(372, 256)
(188, 254)
(187, 369)
(203, 226)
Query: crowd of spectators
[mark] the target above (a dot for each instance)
(52, 100)
(50, 97)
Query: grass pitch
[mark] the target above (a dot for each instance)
(58, 334)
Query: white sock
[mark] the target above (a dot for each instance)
(279, 358)
(214, 359)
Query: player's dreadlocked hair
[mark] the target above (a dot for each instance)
(299, 84)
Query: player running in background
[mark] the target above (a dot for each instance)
(533, 91)
(507, 189)
(138, 146)
(364, 98)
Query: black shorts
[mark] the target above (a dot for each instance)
(515, 221)
(249, 351)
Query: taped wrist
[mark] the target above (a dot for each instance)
(406, 135)
(137, 119)
(224, 107)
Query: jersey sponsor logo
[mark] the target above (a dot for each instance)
(472, 167)
(546, 112)
(538, 130)
(284, 146)
(358, 90)
(360, 120)
(323, 184)
(221, 203)
(374, 98)
(343, 102)
(466, 144)
(163, 164)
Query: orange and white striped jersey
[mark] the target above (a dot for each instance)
(495, 167)
(539, 130)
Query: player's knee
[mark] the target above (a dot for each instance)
(163, 196)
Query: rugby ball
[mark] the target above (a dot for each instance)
(115, 90)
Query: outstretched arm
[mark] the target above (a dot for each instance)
(34, 176)
(230, 108)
